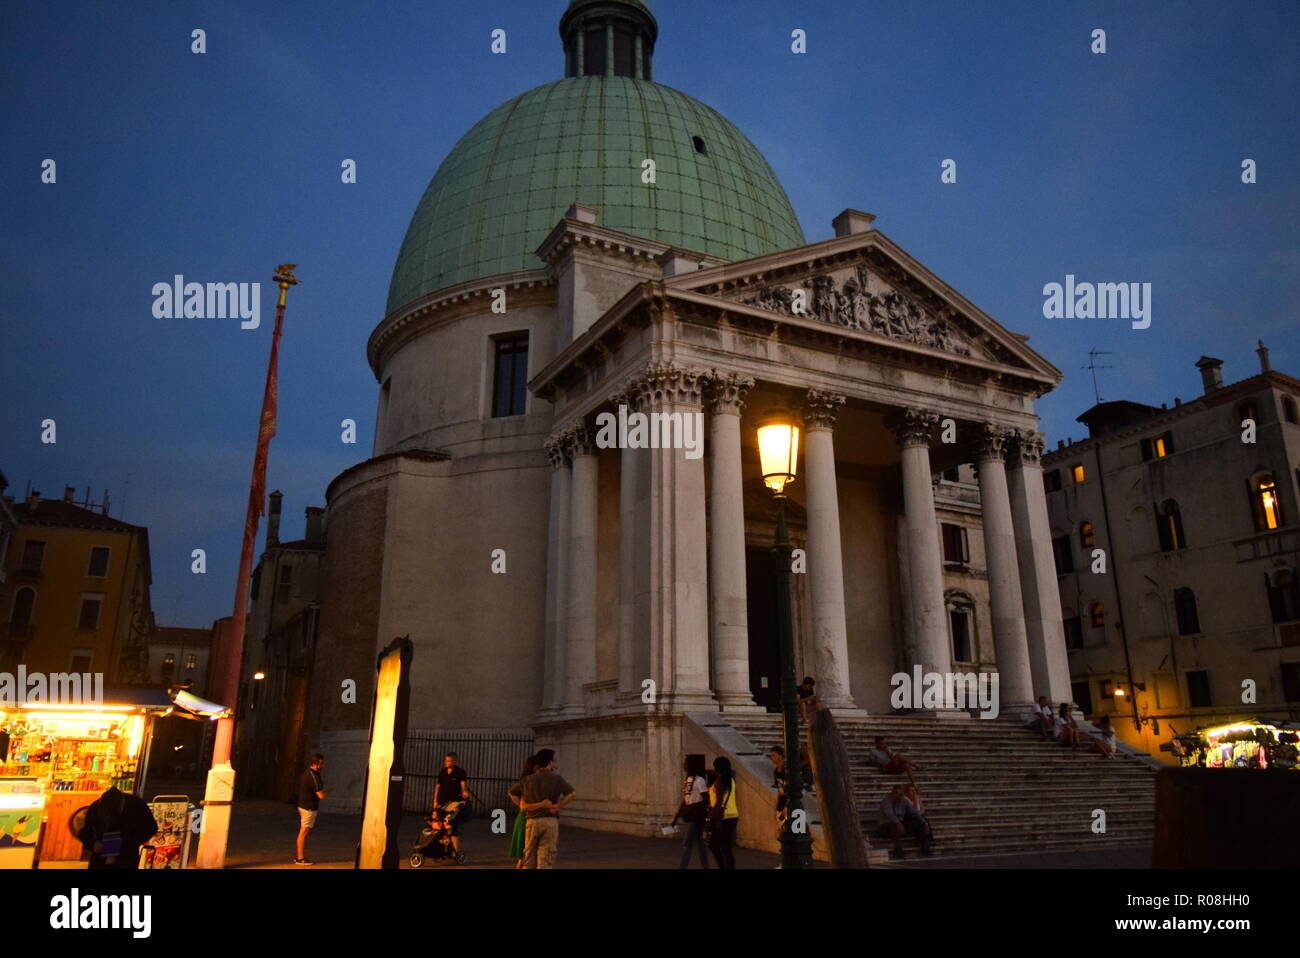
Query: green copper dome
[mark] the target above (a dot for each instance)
(583, 139)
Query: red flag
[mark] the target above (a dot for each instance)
(266, 429)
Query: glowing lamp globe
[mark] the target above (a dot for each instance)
(778, 453)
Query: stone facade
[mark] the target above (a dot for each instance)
(1199, 594)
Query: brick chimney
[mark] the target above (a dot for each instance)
(68, 493)
(315, 525)
(1262, 352)
(273, 520)
(33, 499)
(1211, 373)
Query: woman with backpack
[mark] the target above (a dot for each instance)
(116, 825)
(694, 811)
(724, 815)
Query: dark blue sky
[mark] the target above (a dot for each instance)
(1115, 167)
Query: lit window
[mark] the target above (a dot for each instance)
(1169, 527)
(1157, 447)
(191, 662)
(1076, 472)
(1269, 512)
(1086, 537)
(1097, 615)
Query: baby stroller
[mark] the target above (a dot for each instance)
(434, 842)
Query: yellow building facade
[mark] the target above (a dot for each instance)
(75, 596)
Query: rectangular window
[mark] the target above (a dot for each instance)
(952, 475)
(955, 547)
(1106, 689)
(624, 52)
(1157, 447)
(1198, 689)
(962, 647)
(191, 662)
(593, 52)
(1052, 480)
(510, 375)
(1082, 695)
(168, 666)
(33, 556)
(1073, 632)
(1076, 473)
(286, 583)
(1064, 555)
(88, 620)
(1291, 681)
(80, 659)
(98, 567)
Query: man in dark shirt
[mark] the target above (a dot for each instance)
(311, 789)
(452, 787)
(541, 796)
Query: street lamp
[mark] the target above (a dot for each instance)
(778, 453)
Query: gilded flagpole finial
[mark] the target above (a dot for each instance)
(284, 278)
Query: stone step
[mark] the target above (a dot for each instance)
(992, 787)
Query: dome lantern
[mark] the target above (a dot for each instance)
(613, 38)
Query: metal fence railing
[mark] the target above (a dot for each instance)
(492, 759)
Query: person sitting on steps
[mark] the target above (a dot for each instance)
(889, 763)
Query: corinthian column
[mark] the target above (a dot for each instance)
(557, 562)
(825, 558)
(1048, 661)
(1015, 688)
(672, 602)
(933, 650)
(629, 464)
(580, 637)
(728, 610)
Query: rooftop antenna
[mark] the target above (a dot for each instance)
(1092, 365)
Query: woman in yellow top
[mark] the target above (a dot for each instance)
(724, 815)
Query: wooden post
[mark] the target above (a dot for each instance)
(830, 760)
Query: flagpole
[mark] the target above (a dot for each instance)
(219, 795)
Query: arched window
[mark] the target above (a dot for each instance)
(1264, 497)
(20, 616)
(1097, 615)
(1169, 526)
(961, 626)
(1289, 410)
(1248, 410)
(1086, 537)
(1189, 623)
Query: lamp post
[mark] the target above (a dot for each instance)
(778, 450)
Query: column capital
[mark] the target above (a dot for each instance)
(667, 382)
(556, 453)
(991, 446)
(725, 393)
(579, 440)
(912, 426)
(1028, 447)
(820, 409)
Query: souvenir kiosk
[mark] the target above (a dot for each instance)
(1253, 743)
(67, 755)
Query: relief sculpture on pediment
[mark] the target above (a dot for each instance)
(851, 302)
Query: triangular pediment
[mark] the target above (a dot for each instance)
(865, 282)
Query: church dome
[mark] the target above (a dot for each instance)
(583, 139)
